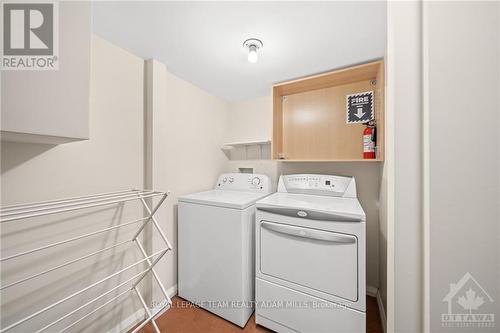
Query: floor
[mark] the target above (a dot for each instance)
(183, 317)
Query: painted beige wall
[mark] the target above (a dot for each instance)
(189, 127)
(111, 160)
(253, 119)
(250, 120)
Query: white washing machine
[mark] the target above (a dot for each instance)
(216, 255)
(310, 256)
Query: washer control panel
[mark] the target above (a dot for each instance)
(250, 182)
(328, 185)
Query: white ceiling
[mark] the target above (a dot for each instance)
(201, 42)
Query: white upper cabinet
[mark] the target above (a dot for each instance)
(52, 106)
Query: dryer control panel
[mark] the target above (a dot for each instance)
(249, 182)
(327, 185)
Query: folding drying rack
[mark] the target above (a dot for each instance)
(25, 211)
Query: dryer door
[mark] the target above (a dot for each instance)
(321, 260)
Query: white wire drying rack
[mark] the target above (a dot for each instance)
(30, 210)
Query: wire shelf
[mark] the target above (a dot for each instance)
(36, 209)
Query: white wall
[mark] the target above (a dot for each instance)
(111, 160)
(386, 200)
(403, 176)
(252, 120)
(443, 59)
(463, 95)
(383, 232)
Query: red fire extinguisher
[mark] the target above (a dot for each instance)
(369, 140)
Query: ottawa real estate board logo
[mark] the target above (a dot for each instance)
(30, 36)
(468, 305)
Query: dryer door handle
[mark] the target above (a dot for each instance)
(324, 236)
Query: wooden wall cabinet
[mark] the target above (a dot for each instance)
(309, 115)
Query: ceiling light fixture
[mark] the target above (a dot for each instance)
(253, 45)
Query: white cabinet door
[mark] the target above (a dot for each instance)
(317, 259)
(52, 106)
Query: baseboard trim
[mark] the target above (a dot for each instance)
(371, 291)
(171, 292)
(374, 292)
(381, 311)
(128, 323)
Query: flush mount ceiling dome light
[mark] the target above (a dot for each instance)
(253, 44)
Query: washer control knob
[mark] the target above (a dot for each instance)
(231, 179)
(224, 179)
(301, 213)
(256, 181)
